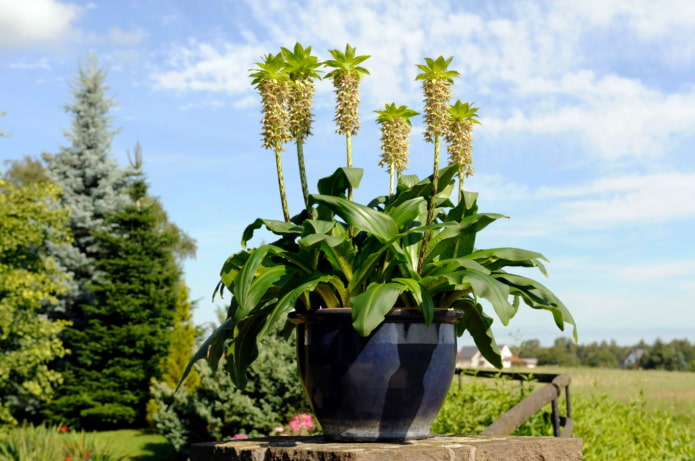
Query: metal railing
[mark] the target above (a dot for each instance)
(522, 411)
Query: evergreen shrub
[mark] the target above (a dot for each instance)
(216, 409)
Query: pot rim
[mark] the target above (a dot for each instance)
(396, 314)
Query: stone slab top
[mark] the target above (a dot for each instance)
(435, 448)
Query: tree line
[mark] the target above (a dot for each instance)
(676, 355)
(94, 309)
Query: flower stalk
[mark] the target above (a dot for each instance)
(436, 84)
(272, 82)
(301, 68)
(346, 75)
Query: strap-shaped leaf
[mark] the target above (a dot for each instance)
(446, 266)
(244, 350)
(276, 227)
(370, 307)
(216, 340)
(422, 296)
(313, 239)
(285, 305)
(478, 325)
(340, 181)
(411, 210)
(458, 238)
(497, 293)
(252, 282)
(231, 267)
(498, 258)
(537, 296)
(382, 226)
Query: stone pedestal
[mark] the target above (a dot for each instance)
(445, 448)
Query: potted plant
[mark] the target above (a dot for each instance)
(378, 292)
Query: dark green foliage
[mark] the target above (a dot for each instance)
(119, 342)
(678, 355)
(479, 402)
(672, 357)
(217, 409)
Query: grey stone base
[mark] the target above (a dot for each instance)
(445, 448)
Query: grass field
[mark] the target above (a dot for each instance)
(670, 391)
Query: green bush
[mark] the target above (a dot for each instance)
(476, 404)
(626, 431)
(216, 409)
(53, 443)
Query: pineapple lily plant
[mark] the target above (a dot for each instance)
(413, 248)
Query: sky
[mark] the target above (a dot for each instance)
(587, 114)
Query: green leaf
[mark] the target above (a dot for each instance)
(446, 266)
(215, 340)
(253, 281)
(276, 227)
(537, 296)
(494, 291)
(370, 307)
(478, 325)
(340, 181)
(285, 305)
(421, 295)
(409, 211)
(382, 226)
(244, 349)
(498, 258)
(231, 267)
(456, 239)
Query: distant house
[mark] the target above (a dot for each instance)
(633, 359)
(470, 357)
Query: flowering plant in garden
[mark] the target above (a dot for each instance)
(301, 424)
(413, 248)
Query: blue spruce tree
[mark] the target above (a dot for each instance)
(93, 185)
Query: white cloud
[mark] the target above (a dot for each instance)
(126, 38)
(23, 64)
(531, 57)
(669, 270)
(648, 18)
(619, 117)
(34, 22)
(199, 66)
(633, 200)
(605, 203)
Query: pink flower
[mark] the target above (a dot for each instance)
(279, 429)
(301, 424)
(240, 437)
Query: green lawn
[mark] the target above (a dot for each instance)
(138, 445)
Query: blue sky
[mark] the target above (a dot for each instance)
(586, 142)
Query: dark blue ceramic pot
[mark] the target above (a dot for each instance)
(388, 386)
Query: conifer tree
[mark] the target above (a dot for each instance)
(93, 185)
(125, 334)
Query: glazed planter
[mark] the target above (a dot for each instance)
(388, 386)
